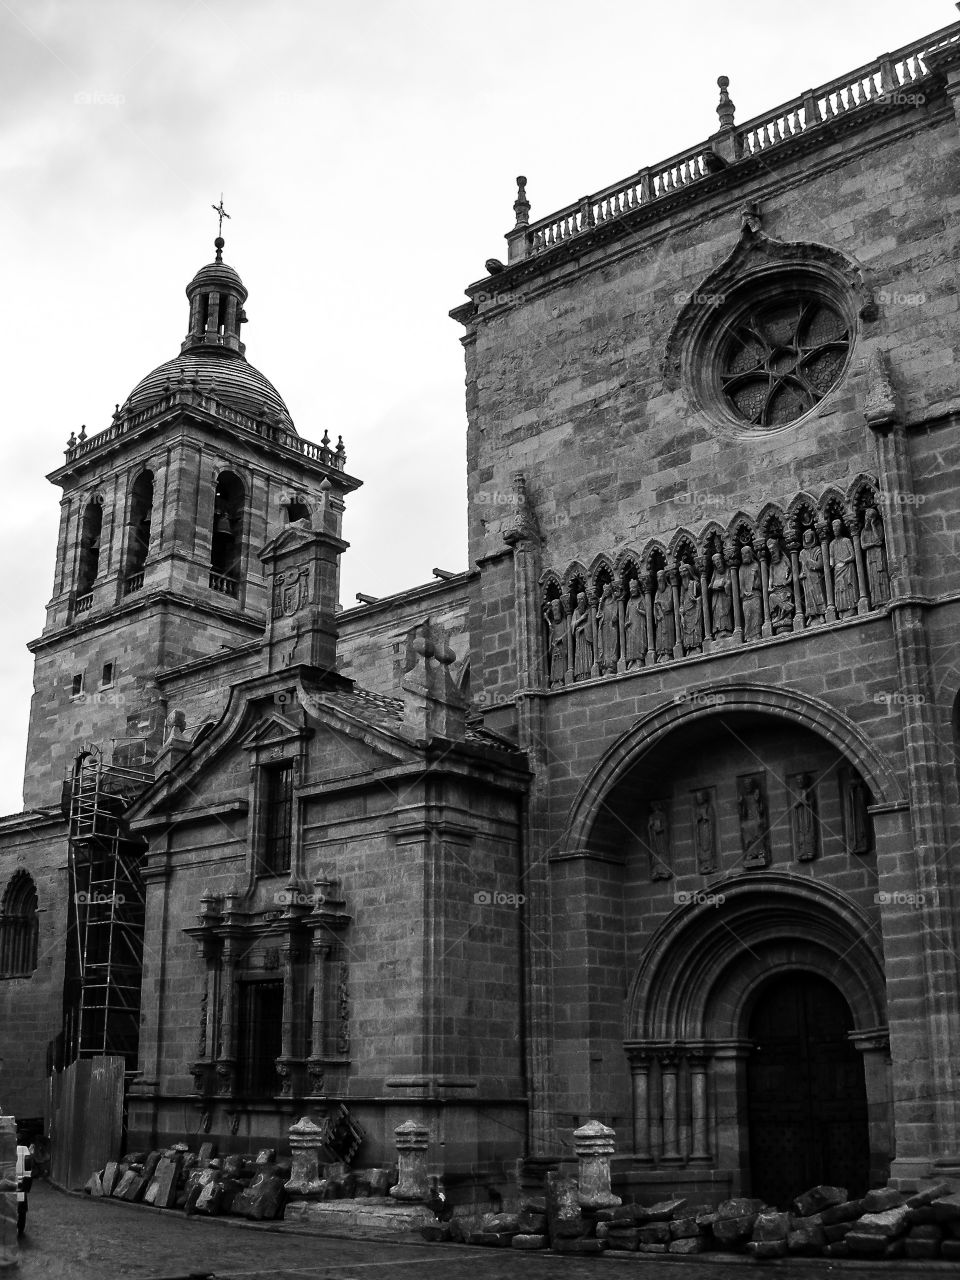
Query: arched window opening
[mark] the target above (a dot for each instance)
(91, 529)
(226, 538)
(19, 928)
(138, 535)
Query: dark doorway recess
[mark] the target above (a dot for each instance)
(807, 1104)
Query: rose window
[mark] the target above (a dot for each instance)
(781, 358)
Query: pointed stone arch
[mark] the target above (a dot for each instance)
(19, 927)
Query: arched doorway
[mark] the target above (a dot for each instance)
(806, 1096)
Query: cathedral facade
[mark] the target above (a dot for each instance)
(648, 817)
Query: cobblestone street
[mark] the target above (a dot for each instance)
(74, 1238)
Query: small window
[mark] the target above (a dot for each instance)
(277, 818)
(76, 688)
(106, 676)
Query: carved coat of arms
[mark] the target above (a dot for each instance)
(291, 591)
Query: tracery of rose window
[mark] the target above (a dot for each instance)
(781, 358)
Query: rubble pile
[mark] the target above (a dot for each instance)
(823, 1222)
(249, 1186)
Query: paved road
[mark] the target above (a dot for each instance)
(76, 1238)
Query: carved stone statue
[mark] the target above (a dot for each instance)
(750, 599)
(806, 825)
(174, 727)
(706, 834)
(691, 611)
(557, 629)
(721, 605)
(582, 639)
(844, 572)
(875, 558)
(658, 842)
(608, 629)
(856, 819)
(664, 621)
(634, 626)
(754, 835)
(811, 577)
(780, 581)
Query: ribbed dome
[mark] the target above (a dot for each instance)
(217, 273)
(226, 376)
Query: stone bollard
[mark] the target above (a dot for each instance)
(306, 1141)
(594, 1144)
(413, 1138)
(9, 1253)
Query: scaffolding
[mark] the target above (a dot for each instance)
(101, 1006)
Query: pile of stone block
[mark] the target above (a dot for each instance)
(823, 1222)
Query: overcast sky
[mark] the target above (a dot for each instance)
(367, 155)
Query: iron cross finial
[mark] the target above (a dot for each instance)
(221, 213)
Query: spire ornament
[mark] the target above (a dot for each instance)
(221, 213)
(521, 206)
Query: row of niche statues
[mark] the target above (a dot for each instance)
(769, 587)
(754, 818)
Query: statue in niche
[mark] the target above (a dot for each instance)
(706, 834)
(844, 572)
(856, 819)
(658, 842)
(582, 638)
(750, 600)
(754, 834)
(634, 626)
(608, 628)
(875, 558)
(780, 581)
(811, 577)
(806, 824)
(721, 606)
(691, 610)
(557, 630)
(664, 622)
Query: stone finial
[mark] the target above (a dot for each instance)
(880, 403)
(432, 704)
(594, 1144)
(726, 108)
(306, 1148)
(521, 206)
(72, 442)
(523, 526)
(412, 1142)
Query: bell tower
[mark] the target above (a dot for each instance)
(163, 515)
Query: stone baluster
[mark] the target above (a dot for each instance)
(669, 1067)
(732, 561)
(701, 563)
(854, 526)
(226, 1058)
(646, 586)
(698, 1061)
(592, 600)
(793, 550)
(412, 1142)
(823, 533)
(673, 577)
(306, 1141)
(760, 551)
(640, 1074)
(594, 1144)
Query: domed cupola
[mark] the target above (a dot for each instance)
(217, 295)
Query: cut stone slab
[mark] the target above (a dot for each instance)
(866, 1243)
(845, 1212)
(372, 1218)
(766, 1249)
(806, 1239)
(564, 1218)
(818, 1198)
(889, 1223)
(108, 1178)
(687, 1246)
(927, 1196)
(663, 1211)
(168, 1171)
(772, 1226)
(94, 1186)
(655, 1233)
(124, 1183)
(947, 1208)
(881, 1199)
(733, 1231)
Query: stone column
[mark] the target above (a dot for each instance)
(226, 1058)
(702, 565)
(793, 549)
(592, 618)
(412, 1141)
(594, 1144)
(622, 600)
(669, 1066)
(823, 532)
(640, 1072)
(288, 1023)
(698, 1061)
(306, 1141)
(570, 644)
(674, 580)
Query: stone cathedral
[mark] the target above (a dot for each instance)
(647, 817)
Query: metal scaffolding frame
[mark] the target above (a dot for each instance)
(104, 964)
